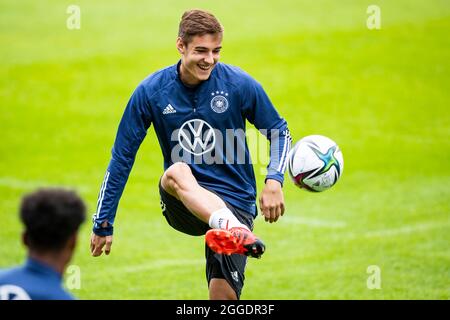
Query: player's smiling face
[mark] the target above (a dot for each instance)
(199, 57)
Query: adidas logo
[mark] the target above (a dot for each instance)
(169, 109)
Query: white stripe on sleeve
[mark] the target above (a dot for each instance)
(102, 193)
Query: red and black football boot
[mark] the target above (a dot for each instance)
(235, 240)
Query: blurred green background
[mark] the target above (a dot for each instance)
(383, 95)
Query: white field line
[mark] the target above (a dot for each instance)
(158, 264)
(315, 223)
(405, 230)
(388, 232)
(18, 184)
(393, 232)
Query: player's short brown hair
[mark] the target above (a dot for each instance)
(198, 23)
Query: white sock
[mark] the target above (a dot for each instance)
(224, 219)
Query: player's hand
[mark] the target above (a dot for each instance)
(271, 201)
(97, 244)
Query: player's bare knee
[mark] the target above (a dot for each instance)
(175, 174)
(179, 171)
(181, 168)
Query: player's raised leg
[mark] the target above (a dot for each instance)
(179, 182)
(228, 234)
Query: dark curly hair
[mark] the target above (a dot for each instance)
(51, 217)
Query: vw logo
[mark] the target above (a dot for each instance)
(196, 136)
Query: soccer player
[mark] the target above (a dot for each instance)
(198, 108)
(51, 218)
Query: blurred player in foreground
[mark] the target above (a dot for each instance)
(51, 218)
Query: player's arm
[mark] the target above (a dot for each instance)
(261, 112)
(132, 130)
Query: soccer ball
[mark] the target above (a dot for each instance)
(315, 163)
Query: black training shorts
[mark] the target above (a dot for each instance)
(231, 268)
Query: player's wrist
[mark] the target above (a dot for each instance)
(103, 228)
(273, 183)
(103, 232)
(274, 180)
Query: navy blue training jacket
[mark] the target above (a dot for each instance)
(32, 281)
(202, 126)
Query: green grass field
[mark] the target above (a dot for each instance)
(383, 95)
